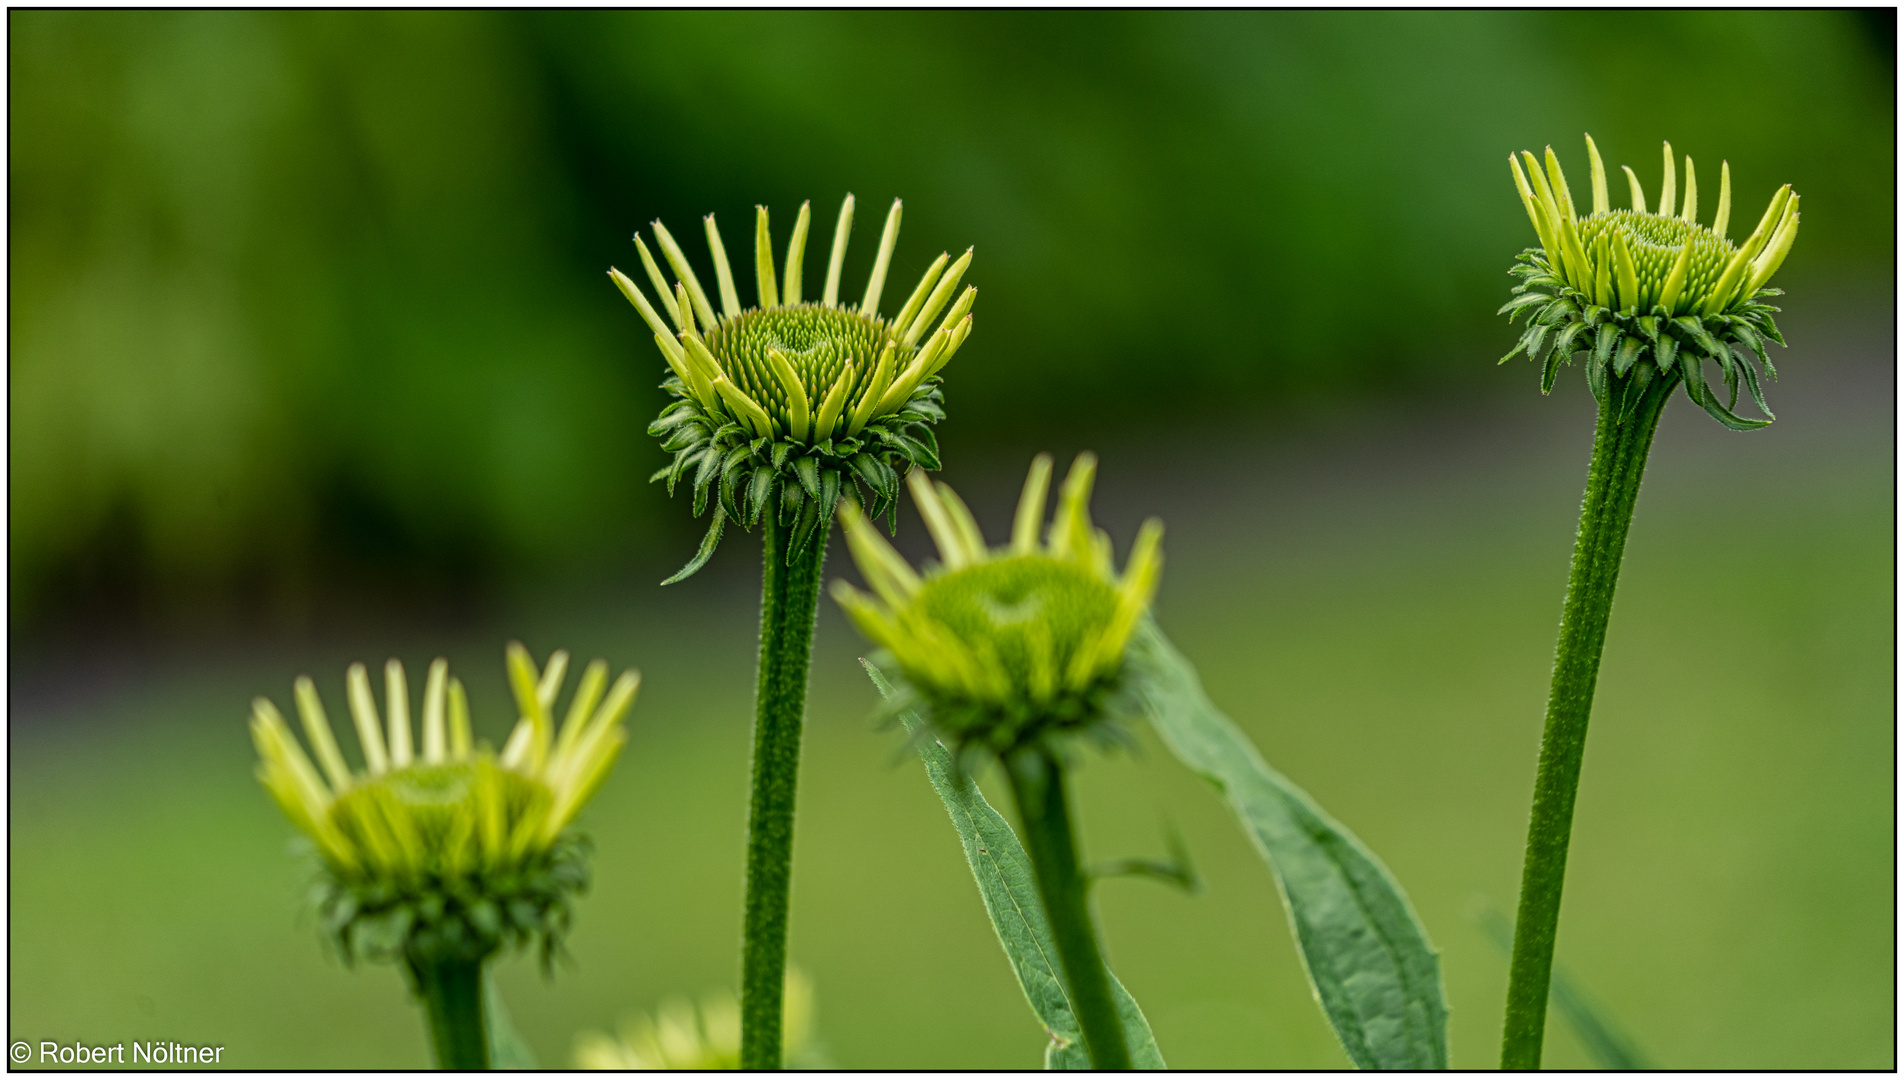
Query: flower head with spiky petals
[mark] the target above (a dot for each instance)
(1011, 646)
(447, 849)
(681, 1037)
(1648, 296)
(783, 407)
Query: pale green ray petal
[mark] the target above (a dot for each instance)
(1633, 184)
(1031, 506)
(723, 274)
(363, 710)
(1669, 190)
(796, 256)
(764, 284)
(841, 231)
(1600, 204)
(435, 745)
(684, 274)
(317, 728)
(877, 282)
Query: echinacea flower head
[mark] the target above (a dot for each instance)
(1007, 646)
(446, 848)
(1648, 294)
(681, 1037)
(783, 407)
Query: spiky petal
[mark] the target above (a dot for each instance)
(1647, 295)
(1013, 645)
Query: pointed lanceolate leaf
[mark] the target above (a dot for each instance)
(507, 1050)
(685, 438)
(679, 413)
(923, 435)
(1710, 401)
(1604, 339)
(1520, 302)
(705, 476)
(1597, 378)
(1368, 958)
(1003, 873)
(1551, 369)
(1629, 351)
(878, 475)
(733, 475)
(1564, 344)
(1743, 333)
(1752, 385)
(682, 462)
(808, 470)
(1694, 330)
(758, 490)
(792, 498)
(803, 530)
(1536, 339)
(1666, 356)
(829, 493)
(708, 543)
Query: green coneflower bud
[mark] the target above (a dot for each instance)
(446, 849)
(1648, 295)
(1013, 645)
(680, 1036)
(785, 406)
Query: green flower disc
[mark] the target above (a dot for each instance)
(819, 342)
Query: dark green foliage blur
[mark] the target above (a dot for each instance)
(307, 298)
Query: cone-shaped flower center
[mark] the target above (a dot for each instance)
(1655, 243)
(443, 821)
(1648, 295)
(1011, 645)
(446, 845)
(822, 345)
(785, 407)
(1032, 612)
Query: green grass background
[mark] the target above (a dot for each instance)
(1373, 598)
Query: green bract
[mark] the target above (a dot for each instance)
(784, 406)
(1010, 646)
(1648, 295)
(446, 850)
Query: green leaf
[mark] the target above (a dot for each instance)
(1551, 369)
(1522, 301)
(1368, 958)
(1604, 339)
(708, 543)
(1603, 1041)
(1752, 384)
(808, 470)
(507, 1050)
(1629, 351)
(758, 489)
(1005, 883)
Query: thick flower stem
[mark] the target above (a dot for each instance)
(1037, 782)
(789, 594)
(1613, 483)
(451, 991)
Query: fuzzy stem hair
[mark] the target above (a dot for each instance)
(789, 598)
(1613, 485)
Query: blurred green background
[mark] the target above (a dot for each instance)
(313, 360)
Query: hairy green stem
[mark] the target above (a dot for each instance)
(1037, 782)
(789, 595)
(451, 991)
(1613, 483)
